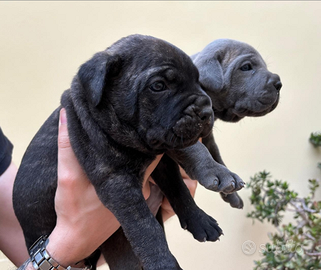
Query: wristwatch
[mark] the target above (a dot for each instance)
(42, 260)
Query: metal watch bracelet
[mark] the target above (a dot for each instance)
(41, 259)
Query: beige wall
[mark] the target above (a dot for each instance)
(43, 44)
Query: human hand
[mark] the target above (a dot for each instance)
(83, 222)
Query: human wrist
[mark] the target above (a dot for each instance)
(42, 259)
(63, 250)
(27, 265)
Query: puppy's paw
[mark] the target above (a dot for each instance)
(202, 226)
(233, 199)
(231, 183)
(221, 179)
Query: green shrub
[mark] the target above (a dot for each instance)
(296, 245)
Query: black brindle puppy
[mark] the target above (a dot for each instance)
(236, 78)
(137, 99)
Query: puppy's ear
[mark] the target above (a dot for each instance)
(211, 74)
(93, 75)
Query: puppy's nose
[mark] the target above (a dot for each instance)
(278, 85)
(275, 81)
(203, 108)
(205, 114)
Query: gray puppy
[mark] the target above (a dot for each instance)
(236, 78)
(137, 99)
(239, 84)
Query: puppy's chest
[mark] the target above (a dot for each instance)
(111, 162)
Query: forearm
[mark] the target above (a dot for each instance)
(12, 242)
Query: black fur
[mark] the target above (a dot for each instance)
(235, 94)
(137, 99)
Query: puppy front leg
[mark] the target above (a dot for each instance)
(232, 198)
(198, 163)
(212, 147)
(123, 196)
(167, 176)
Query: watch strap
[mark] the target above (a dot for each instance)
(41, 259)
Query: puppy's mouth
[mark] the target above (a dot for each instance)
(184, 133)
(188, 130)
(185, 127)
(255, 108)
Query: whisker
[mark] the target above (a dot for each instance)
(175, 141)
(171, 138)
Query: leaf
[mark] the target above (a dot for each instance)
(285, 251)
(315, 139)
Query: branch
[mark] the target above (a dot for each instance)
(314, 254)
(307, 209)
(301, 212)
(309, 236)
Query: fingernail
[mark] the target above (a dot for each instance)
(63, 117)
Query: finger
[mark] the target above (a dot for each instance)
(146, 189)
(152, 166)
(63, 136)
(68, 166)
(191, 185)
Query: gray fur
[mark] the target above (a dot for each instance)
(235, 93)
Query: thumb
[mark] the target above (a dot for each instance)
(63, 136)
(68, 166)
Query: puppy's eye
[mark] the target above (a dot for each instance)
(246, 67)
(158, 86)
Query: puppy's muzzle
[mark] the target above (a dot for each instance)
(275, 81)
(197, 121)
(275, 85)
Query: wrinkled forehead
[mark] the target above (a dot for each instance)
(145, 52)
(244, 52)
